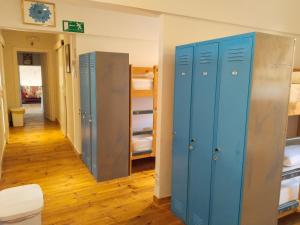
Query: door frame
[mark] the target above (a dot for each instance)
(50, 88)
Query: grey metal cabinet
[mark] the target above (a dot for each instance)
(104, 91)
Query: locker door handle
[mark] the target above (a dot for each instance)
(217, 150)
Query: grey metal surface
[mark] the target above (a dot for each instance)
(267, 122)
(113, 114)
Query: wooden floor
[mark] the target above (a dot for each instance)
(40, 154)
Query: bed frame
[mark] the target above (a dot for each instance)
(138, 72)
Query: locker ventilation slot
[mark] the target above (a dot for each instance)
(236, 55)
(184, 60)
(206, 57)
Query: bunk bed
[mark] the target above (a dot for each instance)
(289, 194)
(143, 88)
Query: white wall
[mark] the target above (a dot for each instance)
(3, 106)
(141, 52)
(191, 30)
(68, 92)
(274, 15)
(96, 20)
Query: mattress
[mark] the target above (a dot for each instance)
(289, 190)
(142, 143)
(142, 84)
(288, 168)
(291, 155)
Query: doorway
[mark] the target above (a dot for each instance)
(31, 82)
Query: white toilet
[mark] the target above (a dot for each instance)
(21, 205)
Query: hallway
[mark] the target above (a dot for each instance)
(39, 153)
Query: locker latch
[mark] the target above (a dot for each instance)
(215, 156)
(191, 147)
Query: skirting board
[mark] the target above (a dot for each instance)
(161, 201)
(1, 158)
(73, 148)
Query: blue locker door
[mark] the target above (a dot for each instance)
(181, 124)
(85, 109)
(202, 122)
(93, 116)
(235, 76)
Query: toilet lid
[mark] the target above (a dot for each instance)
(19, 202)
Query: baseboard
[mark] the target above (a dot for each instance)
(161, 201)
(73, 148)
(1, 158)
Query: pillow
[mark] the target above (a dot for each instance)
(291, 155)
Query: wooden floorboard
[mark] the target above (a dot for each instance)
(39, 153)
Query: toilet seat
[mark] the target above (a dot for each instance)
(20, 203)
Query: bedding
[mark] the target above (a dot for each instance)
(291, 155)
(142, 84)
(288, 168)
(289, 190)
(142, 143)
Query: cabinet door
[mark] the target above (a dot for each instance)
(93, 115)
(202, 123)
(85, 109)
(235, 73)
(181, 126)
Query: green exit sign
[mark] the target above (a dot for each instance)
(73, 26)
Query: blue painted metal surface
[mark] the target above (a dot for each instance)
(181, 126)
(85, 108)
(212, 123)
(93, 115)
(230, 133)
(202, 123)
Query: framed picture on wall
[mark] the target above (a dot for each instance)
(38, 13)
(68, 58)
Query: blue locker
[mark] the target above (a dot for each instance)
(104, 87)
(227, 94)
(209, 126)
(235, 57)
(93, 116)
(85, 103)
(202, 122)
(182, 99)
